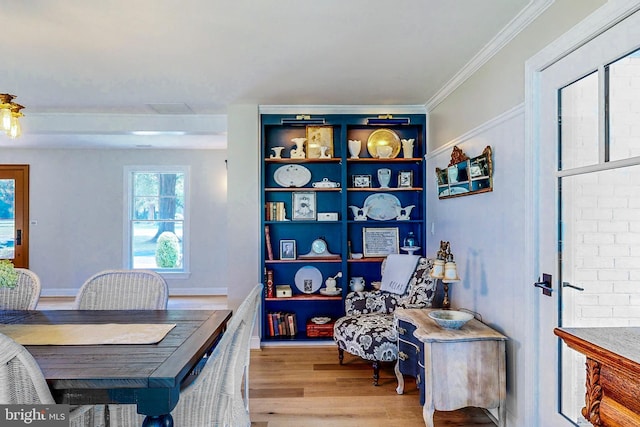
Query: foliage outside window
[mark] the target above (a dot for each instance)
(157, 218)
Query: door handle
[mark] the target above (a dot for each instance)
(18, 237)
(544, 284)
(569, 285)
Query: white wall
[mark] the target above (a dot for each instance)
(76, 196)
(244, 210)
(487, 231)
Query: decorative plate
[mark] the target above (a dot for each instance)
(382, 206)
(308, 279)
(330, 293)
(381, 137)
(292, 176)
(320, 320)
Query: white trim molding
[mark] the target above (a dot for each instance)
(508, 33)
(496, 121)
(341, 109)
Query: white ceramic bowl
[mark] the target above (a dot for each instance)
(450, 319)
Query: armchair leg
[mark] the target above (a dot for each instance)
(376, 372)
(340, 355)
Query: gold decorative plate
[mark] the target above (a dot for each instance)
(382, 137)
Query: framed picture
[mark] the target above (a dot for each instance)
(287, 249)
(318, 137)
(405, 179)
(380, 242)
(304, 205)
(361, 181)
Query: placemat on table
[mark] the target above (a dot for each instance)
(88, 334)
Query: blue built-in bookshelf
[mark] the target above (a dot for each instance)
(325, 211)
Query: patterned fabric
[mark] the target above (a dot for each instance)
(368, 329)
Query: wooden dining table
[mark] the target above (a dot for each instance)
(148, 375)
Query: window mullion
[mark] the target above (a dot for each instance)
(603, 114)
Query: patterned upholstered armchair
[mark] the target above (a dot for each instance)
(368, 331)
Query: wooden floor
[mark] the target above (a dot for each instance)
(307, 387)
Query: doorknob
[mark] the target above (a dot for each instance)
(569, 285)
(544, 284)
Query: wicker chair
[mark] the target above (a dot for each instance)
(123, 290)
(215, 397)
(368, 331)
(25, 295)
(22, 382)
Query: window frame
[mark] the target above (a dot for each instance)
(129, 172)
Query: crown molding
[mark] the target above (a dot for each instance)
(341, 109)
(527, 15)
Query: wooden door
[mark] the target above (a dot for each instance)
(14, 214)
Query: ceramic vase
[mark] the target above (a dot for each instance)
(354, 148)
(384, 177)
(277, 152)
(407, 148)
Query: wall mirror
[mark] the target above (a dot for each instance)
(465, 176)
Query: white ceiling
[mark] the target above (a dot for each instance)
(91, 72)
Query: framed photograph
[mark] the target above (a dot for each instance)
(318, 137)
(361, 181)
(304, 205)
(288, 249)
(380, 242)
(405, 179)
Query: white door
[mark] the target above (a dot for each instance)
(588, 175)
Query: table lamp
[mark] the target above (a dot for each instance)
(445, 269)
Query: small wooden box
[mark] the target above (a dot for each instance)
(283, 291)
(316, 331)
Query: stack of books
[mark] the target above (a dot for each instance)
(275, 211)
(282, 324)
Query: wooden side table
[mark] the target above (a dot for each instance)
(464, 367)
(613, 366)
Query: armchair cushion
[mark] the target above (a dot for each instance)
(368, 330)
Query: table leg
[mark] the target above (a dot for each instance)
(427, 413)
(165, 420)
(400, 377)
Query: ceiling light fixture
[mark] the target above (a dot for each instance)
(9, 114)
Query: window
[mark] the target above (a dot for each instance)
(157, 218)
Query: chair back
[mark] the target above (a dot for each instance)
(26, 293)
(219, 385)
(21, 380)
(123, 290)
(214, 397)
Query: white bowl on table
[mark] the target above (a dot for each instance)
(450, 319)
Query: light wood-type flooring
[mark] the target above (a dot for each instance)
(307, 387)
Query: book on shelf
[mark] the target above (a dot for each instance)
(275, 211)
(282, 324)
(267, 239)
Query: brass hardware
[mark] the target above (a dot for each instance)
(401, 330)
(9, 115)
(385, 116)
(303, 117)
(402, 356)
